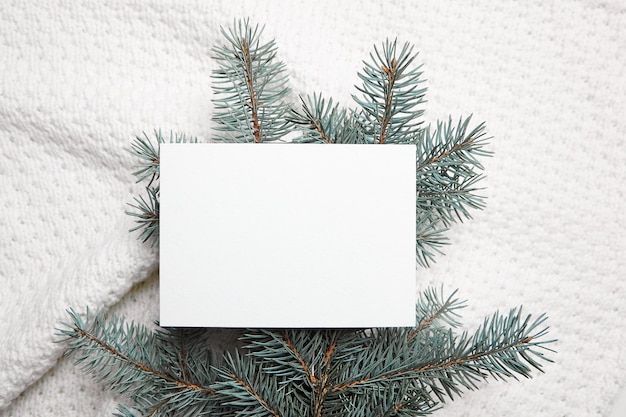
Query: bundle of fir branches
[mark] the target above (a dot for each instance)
(318, 372)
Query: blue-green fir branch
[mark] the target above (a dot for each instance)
(136, 362)
(245, 389)
(429, 237)
(448, 176)
(249, 87)
(434, 309)
(322, 122)
(146, 212)
(385, 371)
(443, 365)
(145, 209)
(391, 94)
(448, 170)
(147, 153)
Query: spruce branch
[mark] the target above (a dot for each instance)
(244, 388)
(147, 214)
(146, 209)
(435, 310)
(429, 237)
(321, 121)
(309, 372)
(144, 150)
(131, 360)
(391, 94)
(148, 154)
(503, 347)
(249, 86)
(448, 170)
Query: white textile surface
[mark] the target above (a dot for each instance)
(79, 80)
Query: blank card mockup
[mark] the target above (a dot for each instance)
(287, 235)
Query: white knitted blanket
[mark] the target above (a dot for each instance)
(79, 80)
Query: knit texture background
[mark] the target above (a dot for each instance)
(79, 80)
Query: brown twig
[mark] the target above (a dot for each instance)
(391, 73)
(430, 367)
(317, 126)
(256, 131)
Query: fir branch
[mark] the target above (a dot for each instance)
(146, 209)
(387, 371)
(254, 102)
(505, 346)
(433, 310)
(429, 237)
(403, 399)
(246, 389)
(147, 214)
(143, 149)
(391, 96)
(321, 121)
(318, 119)
(182, 355)
(249, 86)
(308, 353)
(185, 352)
(148, 154)
(129, 358)
(298, 356)
(251, 391)
(448, 170)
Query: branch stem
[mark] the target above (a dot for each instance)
(254, 103)
(317, 126)
(391, 73)
(322, 387)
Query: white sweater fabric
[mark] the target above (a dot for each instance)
(80, 80)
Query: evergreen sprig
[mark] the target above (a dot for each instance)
(305, 372)
(162, 371)
(249, 86)
(448, 171)
(391, 94)
(322, 122)
(146, 209)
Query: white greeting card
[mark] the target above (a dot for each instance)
(287, 235)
